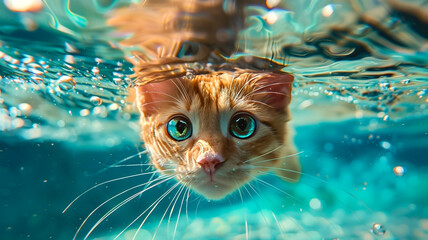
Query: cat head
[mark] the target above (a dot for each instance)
(215, 132)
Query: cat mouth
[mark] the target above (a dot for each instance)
(216, 188)
(214, 180)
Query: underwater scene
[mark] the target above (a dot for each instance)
(72, 160)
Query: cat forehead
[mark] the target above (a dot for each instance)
(222, 89)
(223, 79)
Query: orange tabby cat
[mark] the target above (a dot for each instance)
(213, 126)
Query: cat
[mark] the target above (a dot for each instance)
(218, 131)
(213, 123)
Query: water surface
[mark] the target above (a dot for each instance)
(359, 112)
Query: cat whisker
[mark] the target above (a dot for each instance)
(260, 88)
(266, 92)
(197, 205)
(163, 93)
(155, 102)
(161, 179)
(151, 179)
(273, 159)
(152, 207)
(278, 225)
(181, 89)
(187, 201)
(258, 102)
(141, 165)
(111, 211)
(232, 88)
(283, 192)
(323, 181)
(103, 183)
(274, 187)
(273, 214)
(159, 199)
(245, 210)
(123, 160)
(276, 168)
(179, 211)
(175, 199)
(248, 81)
(164, 148)
(164, 214)
(262, 155)
(258, 206)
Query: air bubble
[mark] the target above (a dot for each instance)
(95, 70)
(189, 74)
(118, 81)
(60, 123)
(385, 118)
(66, 83)
(95, 100)
(272, 3)
(17, 123)
(399, 171)
(328, 10)
(100, 111)
(25, 108)
(84, 112)
(405, 81)
(113, 106)
(385, 145)
(70, 48)
(271, 17)
(315, 204)
(14, 112)
(28, 60)
(119, 75)
(69, 59)
(378, 229)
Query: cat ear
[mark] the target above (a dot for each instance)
(274, 89)
(154, 96)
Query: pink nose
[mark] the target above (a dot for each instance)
(209, 162)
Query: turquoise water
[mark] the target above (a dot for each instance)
(359, 112)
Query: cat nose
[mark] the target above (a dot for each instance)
(210, 162)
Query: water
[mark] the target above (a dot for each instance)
(359, 112)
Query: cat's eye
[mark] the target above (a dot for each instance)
(179, 128)
(242, 125)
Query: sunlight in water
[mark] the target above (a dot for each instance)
(24, 5)
(328, 10)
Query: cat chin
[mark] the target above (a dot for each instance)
(217, 189)
(214, 193)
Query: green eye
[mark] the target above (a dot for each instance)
(179, 128)
(242, 126)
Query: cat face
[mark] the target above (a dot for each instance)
(218, 131)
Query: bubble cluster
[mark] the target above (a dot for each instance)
(42, 96)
